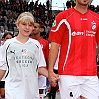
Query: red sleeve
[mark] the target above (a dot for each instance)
(58, 28)
(47, 50)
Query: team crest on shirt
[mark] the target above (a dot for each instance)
(24, 51)
(93, 25)
(54, 23)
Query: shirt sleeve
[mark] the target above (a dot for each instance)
(3, 64)
(47, 50)
(58, 28)
(42, 62)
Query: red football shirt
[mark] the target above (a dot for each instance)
(77, 34)
(45, 46)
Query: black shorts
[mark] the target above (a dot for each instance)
(2, 84)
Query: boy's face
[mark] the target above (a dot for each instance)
(25, 28)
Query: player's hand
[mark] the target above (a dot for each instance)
(53, 78)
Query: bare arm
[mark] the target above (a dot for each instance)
(43, 71)
(53, 55)
(53, 78)
(2, 72)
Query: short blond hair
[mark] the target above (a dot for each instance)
(25, 17)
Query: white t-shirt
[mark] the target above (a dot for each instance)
(22, 61)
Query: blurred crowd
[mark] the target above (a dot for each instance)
(71, 3)
(10, 10)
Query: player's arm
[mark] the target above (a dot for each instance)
(2, 72)
(52, 59)
(43, 71)
(53, 55)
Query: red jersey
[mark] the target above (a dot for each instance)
(77, 34)
(45, 47)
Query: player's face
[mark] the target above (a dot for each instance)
(37, 29)
(25, 28)
(7, 37)
(83, 2)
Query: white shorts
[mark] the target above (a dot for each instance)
(72, 87)
(41, 82)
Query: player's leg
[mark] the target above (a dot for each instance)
(90, 88)
(41, 85)
(52, 93)
(69, 87)
(41, 93)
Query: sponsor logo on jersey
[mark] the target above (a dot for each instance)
(13, 52)
(54, 23)
(84, 33)
(24, 60)
(83, 19)
(93, 25)
(71, 94)
(24, 51)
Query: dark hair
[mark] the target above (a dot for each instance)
(7, 33)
